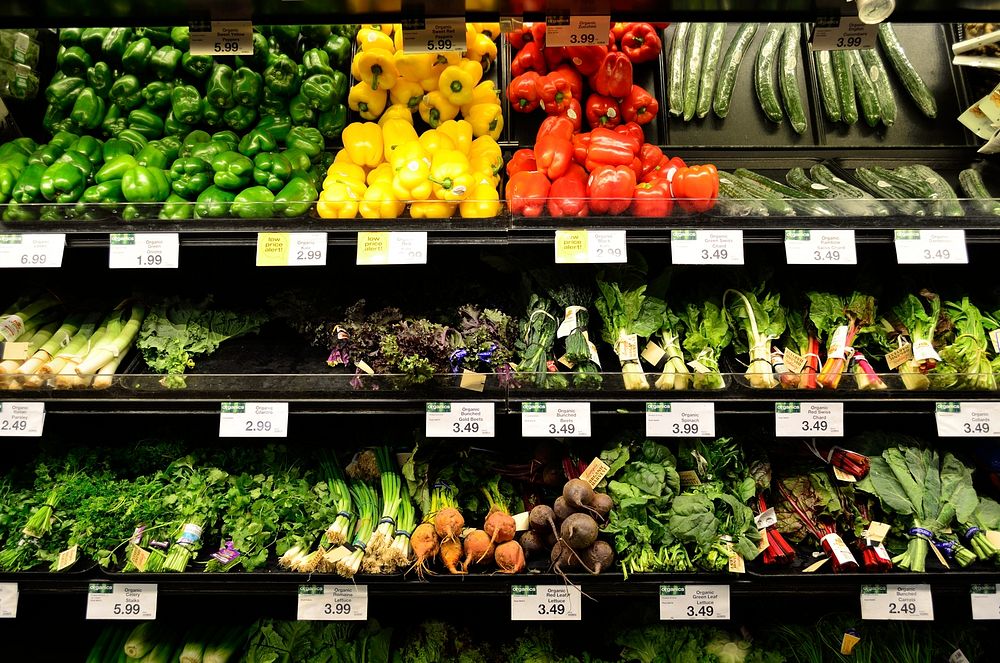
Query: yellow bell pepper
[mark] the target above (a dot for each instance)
(396, 112)
(460, 133)
(369, 39)
(484, 177)
(406, 93)
(414, 66)
(481, 49)
(394, 134)
(486, 120)
(346, 171)
(486, 155)
(413, 169)
(383, 173)
(387, 28)
(378, 68)
(491, 30)
(433, 141)
(432, 209)
(397, 37)
(450, 175)
(380, 202)
(435, 108)
(363, 141)
(356, 188)
(338, 202)
(367, 102)
(458, 82)
(408, 152)
(485, 93)
(482, 203)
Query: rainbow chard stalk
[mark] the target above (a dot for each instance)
(762, 320)
(919, 325)
(841, 319)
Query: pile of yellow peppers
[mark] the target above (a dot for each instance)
(453, 165)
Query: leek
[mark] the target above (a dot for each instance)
(79, 342)
(116, 343)
(60, 339)
(39, 338)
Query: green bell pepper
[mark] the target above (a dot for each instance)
(64, 139)
(240, 118)
(233, 171)
(115, 43)
(23, 145)
(70, 36)
(272, 170)
(307, 139)
(173, 127)
(207, 151)
(227, 137)
(101, 78)
(296, 198)
(258, 60)
(277, 125)
(255, 202)
(185, 104)
(88, 110)
(108, 195)
(257, 141)
(319, 92)
(282, 76)
(146, 121)
(28, 188)
(273, 104)
(126, 92)
(74, 61)
(348, 30)
(210, 115)
(176, 209)
(11, 168)
(247, 86)
(115, 147)
(157, 94)
(114, 121)
(332, 123)
(142, 184)
(47, 154)
(214, 203)
(63, 93)
(152, 156)
(65, 180)
(338, 50)
(219, 88)
(197, 66)
(315, 34)
(89, 147)
(316, 61)
(301, 112)
(138, 55)
(189, 176)
(340, 86)
(286, 35)
(170, 146)
(180, 37)
(195, 137)
(54, 118)
(157, 35)
(17, 212)
(134, 137)
(300, 160)
(165, 62)
(91, 40)
(115, 168)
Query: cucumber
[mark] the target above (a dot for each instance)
(788, 79)
(849, 193)
(948, 204)
(974, 188)
(692, 67)
(799, 179)
(885, 186)
(763, 78)
(803, 202)
(676, 93)
(827, 85)
(768, 197)
(883, 89)
(710, 67)
(865, 89)
(731, 67)
(845, 87)
(904, 69)
(738, 201)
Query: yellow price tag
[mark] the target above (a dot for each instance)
(272, 249)
(572, 246)
(373, 248)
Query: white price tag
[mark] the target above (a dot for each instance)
(985, 602)
(577, 30)
(392, 248)
(8, 600)
(225, 38)
(291, 249)
(706, 247)
(239, 419)
(433, 35)
(21, 419)
(590, 246)
(342, 603)
(931, 247)
(843, 34)
(32, 249)
(694, 602)
(545, 603)
(809, 419)
(119, 600)
(897, 602)
(555, 419)
(820, 247)
(680, 419)
(964, 419)
(143, 251)
(460, 419)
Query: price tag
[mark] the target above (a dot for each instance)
(32, 250)
(225, 38)
(897, 602)
(341, 603)
(985, 602)
(392, 248)
(239, 419)
(143, 251)
(291, 249)
(968, 419)
(20, 419)
(460, 419)
(680, 419)
(694, 602)
(577, 30)
(555, 420)
(590, 246)
(809, 419)
(433, 35)
(706, 247)
(820, 247)
(119, 600)
(931, 247)
(8, 600)
(545, 603)
(842, 34)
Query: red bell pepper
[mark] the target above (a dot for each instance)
(652, 199)
(554, 56)
(696, 188)
(612, 42)
(602, 112)
(639, 106)
(641, 43)
(618, 30)
(610, 189)
(554, 93)
(522, 92)
(528, 32)
(632, 130)
(586, 59)
(614, 77)
(574, 113)
(527, 192)
(528, 58)
(570, 73)
(568, 194)
(608, 148)
(665, 169)
(554, 155)
(581, 142)
(650, 156)
(523, 159)
(557, 126)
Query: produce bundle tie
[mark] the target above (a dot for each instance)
(971, 532)
(531, 319)
(345, 514)
(387, 520)
(828, 459)
(360, 545)
(922, 533)
(456, 359)
(947, 549)
(402, 532)
(486, 356)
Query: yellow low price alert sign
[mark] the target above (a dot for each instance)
(291, 249)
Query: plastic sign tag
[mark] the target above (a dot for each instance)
(460, 419)
(143, 251)
(555, 419)
(120, 600)
(820, 247)
(333, 603)
(32, 249)
(392, 248)
(8, 600)
(897, 602)
(808, 419)
(955, 419)
(706, 247)
(21, 419)
(694, 602)
(931, 247)
(577, 30)
(225, 38)
(433, 35)
(239, 419)
(680, 419)
(590, 246)
(595, 472)
(985, 602)
(843, 33)
(545, 603)
(291, 249)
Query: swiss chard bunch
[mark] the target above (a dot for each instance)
(761, 319)
(706, 334)
(966, 362)
(628, 315)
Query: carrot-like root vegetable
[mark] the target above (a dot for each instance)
(425, 548)
(499, 524)
(448, 524)
(478, 549)
(451, 555)
(510, 557)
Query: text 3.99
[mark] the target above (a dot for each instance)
(585, 38)
(685, 429)
(337, 609)
(848, 42)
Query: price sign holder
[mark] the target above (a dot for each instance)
(842, 33)
(694, 602)
(32, 249)
(125, 601)
(545, 603)
(433, 35)
(8, 600)
(706, 247)
(567, 30)
(241, 419)
(935, 246)
(224, 38)
(820, 247)
(460, 419)
(333, 603)
(680, 419)
(964, 419)
(291, 249)
(143, 251)
(22, 419)
(590, 246)
(808, 419)
(897, 602)
(555, 419)
(392, 248)
(985, 602)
